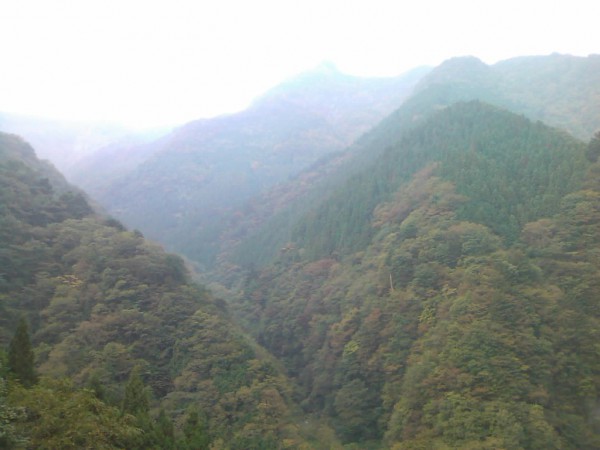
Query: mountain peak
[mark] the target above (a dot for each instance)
(467, 69)
(463, 61)
(326, 68)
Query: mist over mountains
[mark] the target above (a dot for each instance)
(404, 263)
(196, 181)
(68, 143)
(459, 79)
(191, 181)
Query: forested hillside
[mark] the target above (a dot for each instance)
(434, 285)
(164, 365)
(500, 161)
(189, 185)
(446, 296)
(560, 90)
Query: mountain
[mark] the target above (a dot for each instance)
(560, 90)
(195, 178)
(102, 301)
(446, 295)
(433, 285)
(67, 143)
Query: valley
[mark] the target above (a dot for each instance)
(350, 263)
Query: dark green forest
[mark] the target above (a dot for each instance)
(447, 296)
(128, 351)
(433, 286)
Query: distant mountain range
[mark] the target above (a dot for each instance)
(561, 90)
(191, 182)
(204, 189)
(67, 143)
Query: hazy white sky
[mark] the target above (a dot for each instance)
(148, 62)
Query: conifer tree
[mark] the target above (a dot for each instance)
(20, 356)
(96, 386)
(136, 400)
(137, 403)
(164, 433)
(196, 435)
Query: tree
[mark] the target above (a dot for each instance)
(196, 435)
(20, 356)
(9, 437)
(593, 150)
(164, 433)
(137, 403)
(56, 415)
(136, 400)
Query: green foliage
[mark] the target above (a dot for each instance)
(57, 415)
(501, 163)
(101, 300)
(9, 438)
(456, 325)
(445, 297)
(135, 401)
(195, 431)
(351, 403)
(20, 356)
(164, 433)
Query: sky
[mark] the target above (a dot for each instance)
(166, 62)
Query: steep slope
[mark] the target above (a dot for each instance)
(446, 297)
(101, 300)
(560, 89)
(197, 177)
(471, 141)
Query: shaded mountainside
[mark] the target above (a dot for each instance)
(446, 297)
(195, 178)
(507, 165)
(101, 300)
(561, 90)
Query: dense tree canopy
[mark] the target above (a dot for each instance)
(457, 318)
(57, 415)
(9, 437)
(101, 300)
(20, 356)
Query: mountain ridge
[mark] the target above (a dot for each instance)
(434, 285)
(205, 169)
(436, 326)
(103, 302)
(429, 97)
